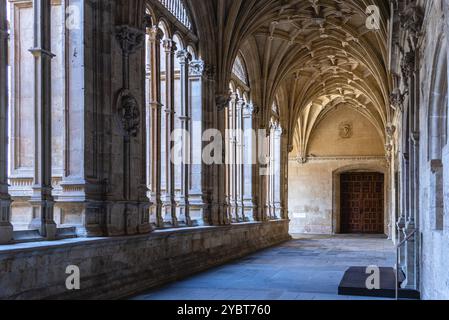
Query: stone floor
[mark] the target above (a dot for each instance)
(306, 268)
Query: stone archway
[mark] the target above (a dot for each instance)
(336, 192)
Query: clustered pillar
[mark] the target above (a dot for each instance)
(42, 199)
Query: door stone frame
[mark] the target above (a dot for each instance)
(336, 192)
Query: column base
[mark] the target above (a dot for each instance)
(156, 214)
(169, 215)
(6, 232)
(43, 210)
(250, 211)
(49, 230)
(219, 214)
(183, 214)
(197, 212)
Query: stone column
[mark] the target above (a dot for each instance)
(263, 142)
(197, 193)
(277, 209)
(6, 228)
(155, 36)
(248, 163)
(42, 199)
(169, 201)
(231, 156)
(284, 174)
(239, 160)
(221, 190)
(271, 176)
(185, 117)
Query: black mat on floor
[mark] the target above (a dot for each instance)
(354, 284)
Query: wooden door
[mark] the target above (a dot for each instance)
(362, 203)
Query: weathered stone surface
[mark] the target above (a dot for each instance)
(116, 268)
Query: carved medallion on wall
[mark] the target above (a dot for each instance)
(345, 130)
(128, 113)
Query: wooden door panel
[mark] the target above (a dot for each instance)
(362, 203)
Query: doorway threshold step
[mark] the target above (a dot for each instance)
(354, 283)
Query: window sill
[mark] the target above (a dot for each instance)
(36, 243)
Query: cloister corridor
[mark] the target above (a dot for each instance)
(305, 268)
(224, 149)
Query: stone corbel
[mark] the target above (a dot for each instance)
(222, 101)
(397, 99)
(408, 66)
(391, 130)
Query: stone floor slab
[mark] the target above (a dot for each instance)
(306, 268)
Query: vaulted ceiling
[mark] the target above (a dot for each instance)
(310, 55)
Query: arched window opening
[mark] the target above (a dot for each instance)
(240, 147)
(196, 82)
(24, 153)
(174, 177)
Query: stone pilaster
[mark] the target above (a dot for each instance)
(220, 196)
(129, 112)
(42, 199)
(155, 36)
(184, 58)
(6, 228)
(169, 203)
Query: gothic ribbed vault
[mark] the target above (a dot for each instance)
(311, 56)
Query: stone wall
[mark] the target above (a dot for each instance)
(118, 267)
(343, 141)
(312, 192)
(434, 154)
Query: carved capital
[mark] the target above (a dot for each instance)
(222, 101)
(129, 38)
(184, 57)
(248, 110)
(197, 68)
(169, 46)
(155, 34)
(408, 66)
